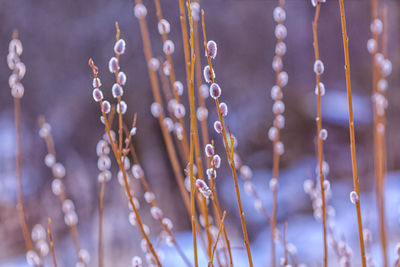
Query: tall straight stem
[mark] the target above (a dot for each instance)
(352, 135)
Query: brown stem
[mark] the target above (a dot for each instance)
(63, 195)
(18, 170)
(53, 254)
(319, 128)
(101, 211)
(166, 135)
(229, 154)
(352, 135)
(221, 226)
(117, 154)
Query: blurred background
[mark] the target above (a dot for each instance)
(60, 36)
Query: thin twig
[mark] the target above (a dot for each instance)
(221, 226)
(53, 254)
(319, 129)
(117, 155)
(351, 126)
(229, 155)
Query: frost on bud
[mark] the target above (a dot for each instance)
(154, 64)
(272, 133)
(218, 126)
(137, 261)
(327, 185)
(12, 80)
(156, 213)
(137, 171)
(195, 10)
(42, 247)
(211, 174)
(279, 14)
(322, 89)
(38, 233)
(156, 109)
(20, 69)
(397, 249)
(208, 75)
(209, 150)
(318, 67)
(387, 67)
(171, 105)
(246, 172)
(249, 188)
(119, 47)
(204, 90)
(68, 206)
(379, 59)
(315, 2)
(132, 218)
(276, 92)
(149, 197)
(223, 108)
(15, 46)
(279, 121)
(278, 107)
(178, 86)
(179, 111)
(354, 197)
(168, 47)
(17, 90)
(106, 107)
(372, 46)
(140, 11)
(325, 169)
(104, 176)
(168, 223)
(49, 160)
(45, 130)
(168, 124)
(382, 85)
(277, 63)
(280, 32)
(203, 188)
(117, 90)
(280, 49)
(308, 186)
(376, 26)
(178, 130)
(163, 27)
(211, 49)
(283, 78)
(323, 134)
(166, 68)
(215, 91)
(258, 205)
(58, 170)
(133, 131)
(71, 218)
(202, 113)
(113, 65)
(217, 161)
(97, 95)
(84, 256)
(273, 184)
(33, 259)
(96, 83)
(279, 148)
(122, 107)
(121, 78)
(56, 187)
(104, 163)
